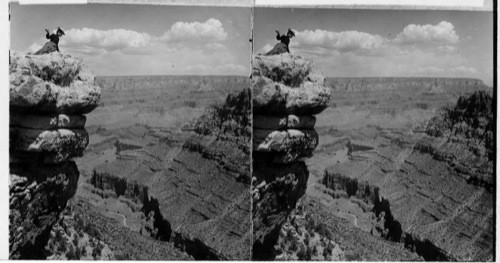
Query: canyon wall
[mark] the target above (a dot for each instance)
(49, 95)
(287, 92)
(434, 192)
(192, 186)
(387, 83)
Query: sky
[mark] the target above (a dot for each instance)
(141, 39)
(176, 40)
(384, 43)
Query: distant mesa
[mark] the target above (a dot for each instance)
(48, 96)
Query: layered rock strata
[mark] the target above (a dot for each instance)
(48, 96)
(287, 92)
(434, 192)
(204, 194)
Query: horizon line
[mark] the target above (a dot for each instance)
(335, 77)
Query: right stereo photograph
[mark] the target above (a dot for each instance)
(373, 135)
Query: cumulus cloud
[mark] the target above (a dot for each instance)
(342, 41)
(319, 41)
(184, 48)
(444, 32)
(447, 49)
(109, 40)
(210, 30)
(209, 34)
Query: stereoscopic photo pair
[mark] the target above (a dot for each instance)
(146, 132)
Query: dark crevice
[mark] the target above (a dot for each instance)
(424, 248)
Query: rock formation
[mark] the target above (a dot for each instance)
(205, 194)
(48, 96)
(193, 187)
(287, 92)
(433, 192)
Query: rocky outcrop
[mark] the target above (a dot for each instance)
(48, 96)
(204, 194)
(287, 91)
(471, 121)
(433, 192)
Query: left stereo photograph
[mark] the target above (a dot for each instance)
(130, 132)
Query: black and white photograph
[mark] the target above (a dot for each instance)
(373, 135)
(175, 130)
(130, 132)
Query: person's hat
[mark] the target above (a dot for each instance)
(290, 32)
(59, 30)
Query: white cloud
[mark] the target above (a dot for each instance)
(197, 47)
(108, 40)
(320, 42)
(210, 30)
(418, 50)
(209, 35)
(444, 32)
(344, 41)
(447, 49)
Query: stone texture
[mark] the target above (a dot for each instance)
(51, 83)
(287, 84)
(288, 145)
(279, 123)
(433, 192)
(64, 143)
(287, 91)
(47, 122)
(38, 193)
(48, 95)
(197, 187)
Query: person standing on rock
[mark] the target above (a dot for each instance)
(53, 44)
(281, 47)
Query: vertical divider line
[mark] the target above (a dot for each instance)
(251, 134)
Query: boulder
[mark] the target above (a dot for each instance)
(51, 83)
(290, 70)
(288, 146)
(274, 98)
(64, 143)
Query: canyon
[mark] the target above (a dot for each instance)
(408, 165)
(297, 167)
(168, 161)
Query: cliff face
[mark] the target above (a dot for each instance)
(204, 194)
(287, 92)
(433, 192)
(193, 187)
(48, 96)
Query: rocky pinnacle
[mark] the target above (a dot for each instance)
(48, 96)
(287, 92)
